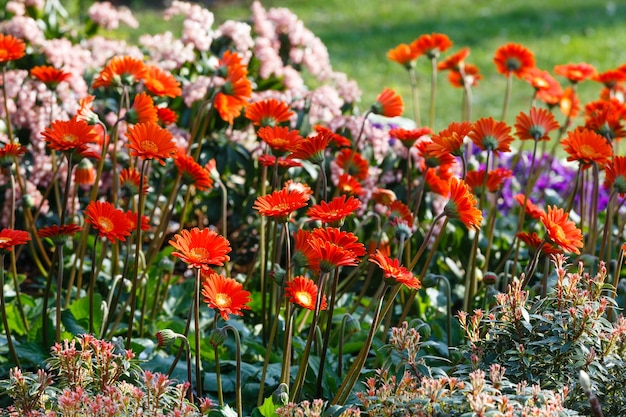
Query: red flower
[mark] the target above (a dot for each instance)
(536, 125)
(432, 159)
(201, 248)
(9, 153)
(69, 135)
(513, 58)
(576, 73)
(468, 77)
(404, 55)
(462, 205)
(610, 78)
(394, 271)
(605, 118)
(432, 44)
(166, 115)
(312, 148)
(568, 103)
(531, 209)
(225, 295)
(334, 212)
(11, 48)
(383, 196)
(269, 112)
(59, 234)
(130, 180)
(9, 238)
(450, 140)
(110, 222)
(561, 231)
(161, 83)
(236, 90)
(121, 70)
(454, 61)
(388, 103)
(353, 163)
(270, 160)
(339, 140)
(281, 140)
(587, 147)
(192, 172)
(150, 141)
(547, 88)
(143, 110)
(347, 184)
(303, 252)
(50, 75)
(408, 137)
(532, 240)
(616, 175)
(491, 135)
(438, 181)
(281, 203)
(85, 173)
(345, 240)
(303, 291)
(327, 256)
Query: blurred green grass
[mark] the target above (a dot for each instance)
(358, 34)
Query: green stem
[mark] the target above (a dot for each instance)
(329, 324)
(3, 310)
(507, 95)
(433, 88)
(415, 97)
(238, 369)
(58, 293)
(593, 211)
(196, 328)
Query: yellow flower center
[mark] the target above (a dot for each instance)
(149, 147)
(222, 300)
(587, 151)
(198, 254)
(156, 85)
(105, 224)
(304, 298)
(69, 138)
(5, 239)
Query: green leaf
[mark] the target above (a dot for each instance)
(15, 321)
(225, 411)
(80, 311)
(268, 409)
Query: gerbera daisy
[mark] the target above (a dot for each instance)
(110, 222)
(346, 240)
(531, 209)
(201, 248)
(161, 83)
(339, 140)
(50, 75)
(616, 175)
(281, 140)
(489, 134)
(85, 112)
(610, 78)
(236, 90)
(392, 270)
(388, 103)
(383, 196)
(142, 110)
(576, 73)
(513, 58)
(270, 112)
(462, 205)
(280, 204)
(192, 172)
(495, 179)
(533, 241)
(166, 115)
(605, 117)
(303, 252)
(404, 55)
(121, 70)
(132, 221)
(69, 135)
(432, 45)
(150, 141)
(451, 139)
(9, 238)
(432, 159)
(397, 210)
(454, 61)
(59, 235)
(301, 187)
(11, 48)
(438, 180)
(586, 146)
(327, 256)
(85, 173)
(408, 137)
(225, 295)
(547, 88)
(468, 77)
(335, 211)
(562, 231)
(312, 148)
(536, 125)
(303, 291)
(130, 180)
(347, 184)
(353, 163)
(9, 152)
(267, 160)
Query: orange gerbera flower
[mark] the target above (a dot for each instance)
(225, 295)
(388, 103)
(346, 240)
(11, 48)
(281, 203)
(143, 110)
(161, 83)
(394, 271)
(192, 172)
(130, 180)
(302, 187)
(408, 137)
(166, 115)
(468, 77)
(547, 88)
(384, 196)
(281, 140)
(576, 73)
(50, 75)
(495, 179)
(121, 70)
(339, 140)
(269, 161)
(353, 163)
(610, 78)
(150, 141)
(462, 205)
(132, 221)
(327, 255)
(334, 212)
(9, 238)
(398, 211)
(438, 180)
(531, 209)
(450, 140)
(201, 248)
(562, 231)
(489, 134)
(303, 291)
(533, 241)
(59, 234)
(269, 112)
(432, 45)
(347, 184)
(454, 61)
(69, 135)
(536, 125)
(404, 55)
(586, 146)
(616, 175)
(513, 58)
(110, 222)
(85, 173)
(236, 90)
(568, 102)
(312, 148)
(303, 252)
(85, 112)
(605, 118)
(432, 159)
(9, 152)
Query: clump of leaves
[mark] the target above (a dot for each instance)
(549, 340)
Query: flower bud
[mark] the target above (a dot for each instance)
(166, 338)
(430, 280)
(351, 325)
(280, 397)
(585, 382)
(490, 278)
(218, 337)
